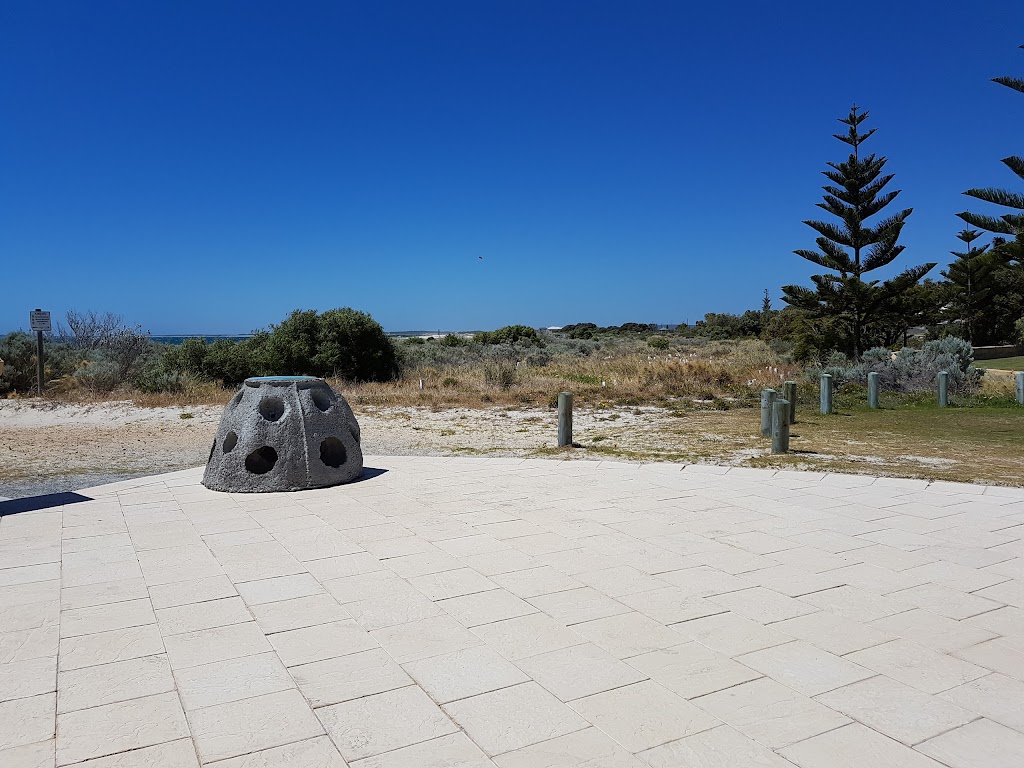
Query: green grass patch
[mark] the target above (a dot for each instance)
(1002, 364)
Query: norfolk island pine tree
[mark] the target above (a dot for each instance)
(852, 248)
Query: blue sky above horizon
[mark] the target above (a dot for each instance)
(206, 167)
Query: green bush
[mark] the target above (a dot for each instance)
(658, 342)
(511, 334)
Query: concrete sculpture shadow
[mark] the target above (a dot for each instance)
(47, 501)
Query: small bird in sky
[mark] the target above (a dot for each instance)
(480, 257)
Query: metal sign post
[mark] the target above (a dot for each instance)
(39, 321)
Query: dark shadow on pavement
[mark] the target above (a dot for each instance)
(368, 474)
(33, 503)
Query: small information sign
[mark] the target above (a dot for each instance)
(39, 320)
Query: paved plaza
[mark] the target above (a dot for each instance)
(465, 612)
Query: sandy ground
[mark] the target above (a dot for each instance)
(47, 447)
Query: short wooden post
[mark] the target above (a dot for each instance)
(872, 390)
(1020, 386)
(943, 389)
(780, 426)
(826, 394)
(791, 399)
(767, 398)
(564, 419)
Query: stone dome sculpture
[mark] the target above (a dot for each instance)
(284, 433)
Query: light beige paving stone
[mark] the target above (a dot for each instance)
(107, 647)
(103, 618)
(342, 678)
(731, 634)
(34, 643)
(670, 605)
(487, 607)
(932, 630)
(33, 592)
(513, 718)
(721, 747)
(896, 710)
(944, 601)
(253, 562)
(579, 670)
(589, 748)
(792, 581)
(165, 566)
(997, 656)
(527, 636)
(317, 752)
(191, 591)
(995, 696)
(625, 580)
(536, 581)
(421, 639)
(31, 677)
(464, 673)
(855, 746)
(279, 588)
(627, 634)
(452, 751)
(16, 618)
(172, 754)
(1009, 593)
(455, 583)
(763, 605)
(856, 604)
(298, 613)
(643, 715)
(981, 743)
(833, 633)
(38, 755)
(317, 543)
(387, 611)
(29, 573)
(423, 563)
(383, 722)
(1007, 621)
(805, 668)
(206, 646)
(956, 576)
(103, 593)
(346, 565)
(232, 680)
(26, 721)
(770, 713)
(365, 586)
(692, 669)
(207, 615)
(325, 641)
(119, 727)
(917, 666)
(248, 725)
(574, 561)
(114, 682)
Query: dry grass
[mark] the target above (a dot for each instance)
(733, 372)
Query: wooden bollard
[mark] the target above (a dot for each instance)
(826, 394)
(780, 426)
(1019, 378)
(943, 389)
(767, 398)
(872, 390)
(564, 419)
(790, 391)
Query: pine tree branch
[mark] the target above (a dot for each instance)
(1010, 82)
(998, 197)
(987, 223)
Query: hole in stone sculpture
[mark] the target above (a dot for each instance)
(261, 461)
(271, 408)
(212, 449)
(237, 398)
(230, 441)
(332, 452)
(320, 399)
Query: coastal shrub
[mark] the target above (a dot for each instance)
(658, 342)
(511, 334)
(351, 345)
(454, 340)
(909, 369)
(500, 374)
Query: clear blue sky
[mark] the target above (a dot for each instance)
(209, 166)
